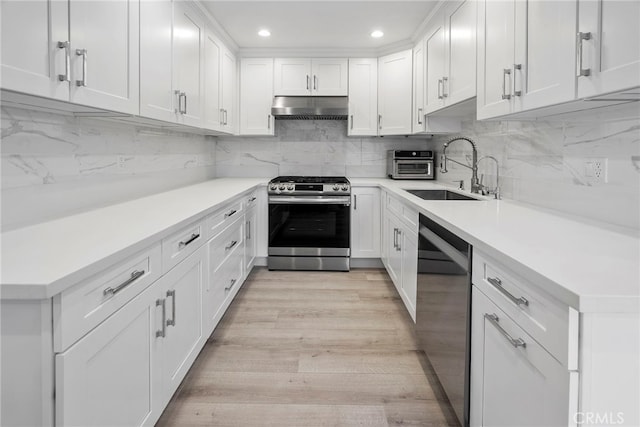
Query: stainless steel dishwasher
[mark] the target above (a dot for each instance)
(443, 310)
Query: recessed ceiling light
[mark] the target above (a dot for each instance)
(377, 34)
(264, 33)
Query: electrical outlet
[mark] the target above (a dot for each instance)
(595, 170)
(121, 162)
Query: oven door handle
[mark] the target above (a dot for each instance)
(310, 200)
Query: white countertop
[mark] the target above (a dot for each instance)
(42, 260)
(590, 268)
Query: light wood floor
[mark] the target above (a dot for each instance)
(311, 349)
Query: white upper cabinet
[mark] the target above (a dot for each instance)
(228, 91)
(256, 96)
(156, 61)
(213, 112)
(419, 66)
(188, 64)
(394, 93)
(450, 47)
(78, 51)
(611, 54)
(319, 77)
(363, 97)
(35, 37)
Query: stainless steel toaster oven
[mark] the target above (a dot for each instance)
(408, 164)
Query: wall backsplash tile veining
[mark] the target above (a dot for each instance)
(540, 162)
(55, 165)
(308, 147)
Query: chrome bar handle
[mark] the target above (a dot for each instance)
(230, 213)
(380, 121)
(221, 116)
(399, 248)
(172, 294)
(315, 82)
(505, 72)
(395, 238)
(307, 82)
(440, 89)
(581, 72)
(83, 53)
(184, 95)
(184, 243)
(355, 202)
(135, 275)
(162, 332)
(178, 94)
(232, 283)
(248, 229)
(516, 67)
(352, 121)
(66, 77)
(516, 342)
(269, 121)
(226, 122)
(444, 87)
(231, 245)
(497, 283)
(419, 116)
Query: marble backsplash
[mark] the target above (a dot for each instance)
(541, 162)
(55, 165)
(308, 147)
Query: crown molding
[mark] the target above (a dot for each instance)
(217, 28)
(421, 31)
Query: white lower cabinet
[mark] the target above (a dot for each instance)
(514, 380)
(365, 222)
(400, 249)
(124, 371)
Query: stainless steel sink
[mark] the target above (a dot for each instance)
(439, 195)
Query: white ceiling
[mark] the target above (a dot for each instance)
(313, 24)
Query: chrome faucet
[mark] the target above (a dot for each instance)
(475, 184)
(485, 189)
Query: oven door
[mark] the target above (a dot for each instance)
(421, 169)
(309, 226)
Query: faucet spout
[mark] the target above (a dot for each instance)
(475, 184)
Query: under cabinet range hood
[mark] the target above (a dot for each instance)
(310, 107)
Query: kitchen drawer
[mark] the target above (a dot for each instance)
(225, 243)
(81, 308)
(180, 245)
(408, 215)
(218, 220)
(251, 200)
(553, 324)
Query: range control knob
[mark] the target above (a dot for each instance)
(336, 187)
(345, 187)
(282, 187)
(273, 187)
(290, 187)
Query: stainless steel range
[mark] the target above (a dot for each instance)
(309, 223)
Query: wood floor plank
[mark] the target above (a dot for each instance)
(311, 349)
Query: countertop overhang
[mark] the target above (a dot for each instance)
(588, 266)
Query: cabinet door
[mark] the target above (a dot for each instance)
(394, 93)
(329, 77)
(363, 97)
(419, 79)
(110, 377)
(182, 287)
(31, 59)
(228, 91)
(496, 35)
(256, 96)
(156, 62)
(409, 249)
(213, 114)
(612, 54)
(292, 77)
(545, 53)
(514, 386)
(460, 39)
(365, 223)
(250, 239)
(188, 35)
(435, 54)
(105, 54)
